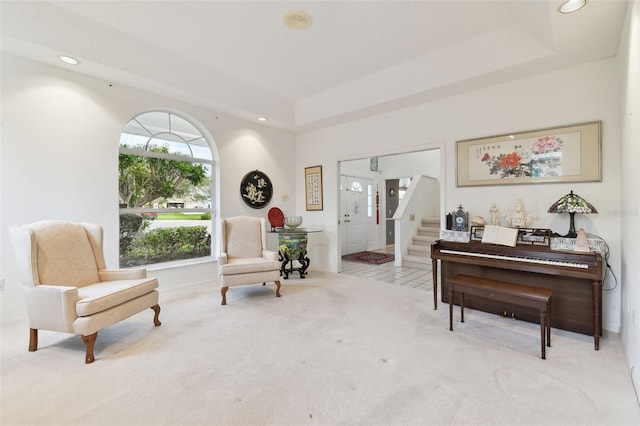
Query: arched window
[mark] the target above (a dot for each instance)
(165, 190)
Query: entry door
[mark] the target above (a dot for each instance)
(354, 214)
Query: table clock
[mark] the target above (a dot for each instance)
(460, 219)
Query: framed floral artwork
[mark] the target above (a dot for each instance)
(558, 154)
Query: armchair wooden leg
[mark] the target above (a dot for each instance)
(156, 320)
(277, 288)
(33, 339)
(223, 291)
(89, 342)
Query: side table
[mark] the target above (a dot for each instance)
(292, 247)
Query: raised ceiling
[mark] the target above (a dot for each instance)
(356, 59)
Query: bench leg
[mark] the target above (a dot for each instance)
(549, 325)
(461, 307)
(543, 331)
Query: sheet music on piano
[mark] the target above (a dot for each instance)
(500, 235)
(524, 236)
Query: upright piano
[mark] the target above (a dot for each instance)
(575, 278)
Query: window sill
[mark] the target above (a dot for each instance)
(177, 264)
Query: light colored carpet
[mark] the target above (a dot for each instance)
(332, 350)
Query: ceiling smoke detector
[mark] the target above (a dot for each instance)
(297, 20)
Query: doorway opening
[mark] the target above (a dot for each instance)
(370, 195)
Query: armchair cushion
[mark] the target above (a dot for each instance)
(248, 265)
(99, 297)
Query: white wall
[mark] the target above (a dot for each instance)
(629, 56)
(426, 163)
(60, 135)
(409, 165)
(585, 93)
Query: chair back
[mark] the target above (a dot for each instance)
(243, 236)
(58, 253)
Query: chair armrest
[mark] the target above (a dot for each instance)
(270, 255)
(222, 260)
(52, 307)
(122, 274)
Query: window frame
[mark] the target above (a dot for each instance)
(209, 162)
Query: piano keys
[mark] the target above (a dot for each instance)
(575, 278)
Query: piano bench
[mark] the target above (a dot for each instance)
(500, 291)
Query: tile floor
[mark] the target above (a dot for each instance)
(397, 275)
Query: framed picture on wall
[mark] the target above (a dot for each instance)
(373, 164)
(313, 187)
(256, 189)
(558, 154)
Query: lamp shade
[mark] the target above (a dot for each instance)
(572, 203)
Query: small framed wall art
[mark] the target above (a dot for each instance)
(256, 189)
(373, 164)
(313, 187)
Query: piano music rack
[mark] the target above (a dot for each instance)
(526, 236)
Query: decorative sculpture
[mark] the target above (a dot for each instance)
(495, 217)
(519, 219)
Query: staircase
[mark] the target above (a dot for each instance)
(419, 251)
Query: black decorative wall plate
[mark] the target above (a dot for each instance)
(256, 189)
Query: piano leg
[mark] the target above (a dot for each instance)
(597, 307)
(450, 308)
(434, 269)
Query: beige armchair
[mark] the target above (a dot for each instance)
(244, 258)
(67, 286)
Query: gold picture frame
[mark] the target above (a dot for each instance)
(313, 187)
(557, 154)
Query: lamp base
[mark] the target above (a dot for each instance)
(572, 228)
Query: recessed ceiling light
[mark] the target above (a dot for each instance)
(571, 6)
(297, 19)
(262, 118)
(68, 60)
